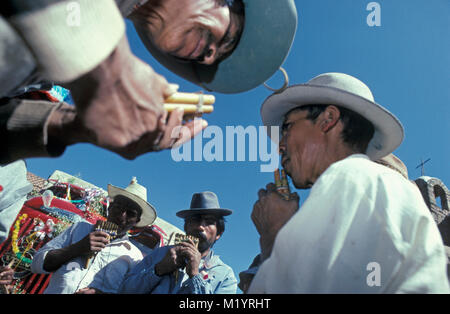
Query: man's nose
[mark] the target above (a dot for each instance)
(211, 54)
(282, 145)
(124, 216)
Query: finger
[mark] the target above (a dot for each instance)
(163, 120)
(100, 234)
(6, 271)
(294, 196)
(192, 243)
(100, 240)
(190, 130)
(169, 137)
(271, 187)
(86, 291)
(188, 244)
(98, 245)
(6, 279)
(188, 252)
(262, 193)
(171, 89)
(81, 290)
(180, 261)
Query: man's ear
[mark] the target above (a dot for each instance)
(329, 118)
(218, 237)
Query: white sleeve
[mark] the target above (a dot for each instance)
(70, 38)
(64, 239)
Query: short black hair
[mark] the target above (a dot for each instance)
(220, 225)
(357, 132)
(236, 6)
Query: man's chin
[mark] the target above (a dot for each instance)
(301, 185)
(203, 246)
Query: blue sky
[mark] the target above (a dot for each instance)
(405, 62)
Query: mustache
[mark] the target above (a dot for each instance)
(201, 236)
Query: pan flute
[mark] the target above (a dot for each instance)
(190, 102)
(106, 226)
(282, 184)
(179, 238)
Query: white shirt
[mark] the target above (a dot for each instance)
(363, 229)
(14, 188)
(105, 272)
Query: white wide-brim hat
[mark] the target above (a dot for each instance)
(341, 90)
(138, 194)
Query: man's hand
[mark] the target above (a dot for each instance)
(6, 277)
(191, 256)
(119, 106)
(94, 242)
(170, 262)
(88, 290)
(269, 215)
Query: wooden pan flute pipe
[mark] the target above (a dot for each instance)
(190, 102)
(190, 98)
(282, 184)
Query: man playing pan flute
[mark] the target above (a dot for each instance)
(185, 268)
(363, 228)
(83, 257)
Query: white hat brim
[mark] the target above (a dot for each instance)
(148, 215)
(388, 133)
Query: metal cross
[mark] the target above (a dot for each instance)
(422, 165)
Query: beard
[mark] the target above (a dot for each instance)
(204, 244)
